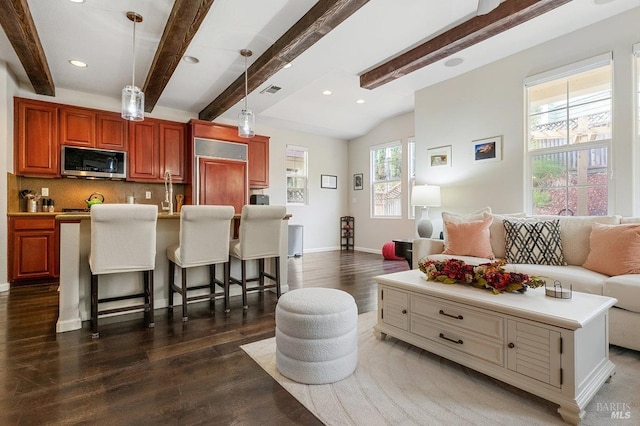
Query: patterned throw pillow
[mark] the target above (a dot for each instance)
(533, 242)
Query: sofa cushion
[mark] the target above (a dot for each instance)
(614, 249)
(581, 279)
(533, 242)
(625, 288)
(496, 231)
(575, 232)
(469, 238)
(460, 218)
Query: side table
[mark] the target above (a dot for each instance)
(404, 248)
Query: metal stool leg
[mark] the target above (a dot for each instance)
(94, 306)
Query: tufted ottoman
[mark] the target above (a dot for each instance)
(316, 335)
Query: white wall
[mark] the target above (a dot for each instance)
(8, 87)
(371, 234)
(328, 156)
(490, 101)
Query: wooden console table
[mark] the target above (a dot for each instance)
(567, 339)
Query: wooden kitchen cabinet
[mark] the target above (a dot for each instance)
(111, 131)
(77, 127)
(156, 146)
(92, 129)
(37, 151)
(222, 182)
(33, 249)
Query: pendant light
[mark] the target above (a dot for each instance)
(246, 119)
(132, 96)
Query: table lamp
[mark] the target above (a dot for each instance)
(425, 196)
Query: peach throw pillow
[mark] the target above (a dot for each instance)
(469, 238)
(614, 249)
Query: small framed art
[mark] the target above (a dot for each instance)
(440, 156)
(329, 181)
(357, 181)
(489, 149)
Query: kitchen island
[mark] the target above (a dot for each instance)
(75, 275)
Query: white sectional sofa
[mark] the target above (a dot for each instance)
(575, 233)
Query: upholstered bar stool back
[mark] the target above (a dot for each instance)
(123, 239)
(204, 240)
(258, 238)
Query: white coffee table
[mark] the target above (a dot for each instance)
(557, 349)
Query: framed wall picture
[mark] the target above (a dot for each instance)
(440, 156)
(357, 181)
(328, 181)
(489, 149)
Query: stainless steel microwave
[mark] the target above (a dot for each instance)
(93, 163)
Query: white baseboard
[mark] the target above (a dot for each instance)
(5, 287)
(321, 249)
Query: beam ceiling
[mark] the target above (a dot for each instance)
(323, 17)
(183, 23)
(508, 15)
(20, 29)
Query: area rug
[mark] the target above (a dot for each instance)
(397, 383)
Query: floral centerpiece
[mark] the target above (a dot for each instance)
(487, 275)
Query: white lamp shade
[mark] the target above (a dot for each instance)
(132, 103)
(426, 195)
(246, 124)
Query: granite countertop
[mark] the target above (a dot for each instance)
(73, 216)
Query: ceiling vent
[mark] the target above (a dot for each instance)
(271, 89)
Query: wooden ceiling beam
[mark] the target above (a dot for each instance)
(20, 29)
(184, 21)
(323, 17)
(506, 16)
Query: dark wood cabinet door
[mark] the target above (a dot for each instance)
(37, 151)
(223, 182)
(258, 162)
(111, 131)
(77, 127)
(143, 151)
(172, 151)
(33, 251)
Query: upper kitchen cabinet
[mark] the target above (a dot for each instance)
(258, 147)
(37, 152)
(89, 128)
(154, 147)
(77, 127)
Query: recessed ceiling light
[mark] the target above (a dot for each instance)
(360, 101)
(453, 62)
(326, 92)
(190, 59)
(76, 1)
(77, 63)
(288, 65)
(598, 2)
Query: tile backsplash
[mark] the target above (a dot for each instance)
(72, 193)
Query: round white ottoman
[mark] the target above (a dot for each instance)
(316, 335)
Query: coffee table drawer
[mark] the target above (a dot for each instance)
(459, 316)
(471, 344)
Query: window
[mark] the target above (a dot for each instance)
(569, 139)
(386, 188)
(297, 175)
(411, 176)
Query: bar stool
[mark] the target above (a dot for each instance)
(123, 239)
(204, 240)
(258, 239)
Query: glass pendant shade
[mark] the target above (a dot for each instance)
(246, 124)
(132, 103)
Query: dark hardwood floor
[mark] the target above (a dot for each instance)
(178, 373)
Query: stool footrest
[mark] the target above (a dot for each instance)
(123, 309)
(116, 298)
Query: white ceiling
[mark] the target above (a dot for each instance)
(98, 33)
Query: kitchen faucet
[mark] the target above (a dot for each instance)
(168, 192)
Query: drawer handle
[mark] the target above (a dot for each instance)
(457, 342)
(404, 311)
(449, 315)
(511, 345)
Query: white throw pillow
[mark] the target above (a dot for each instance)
(496, 231)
